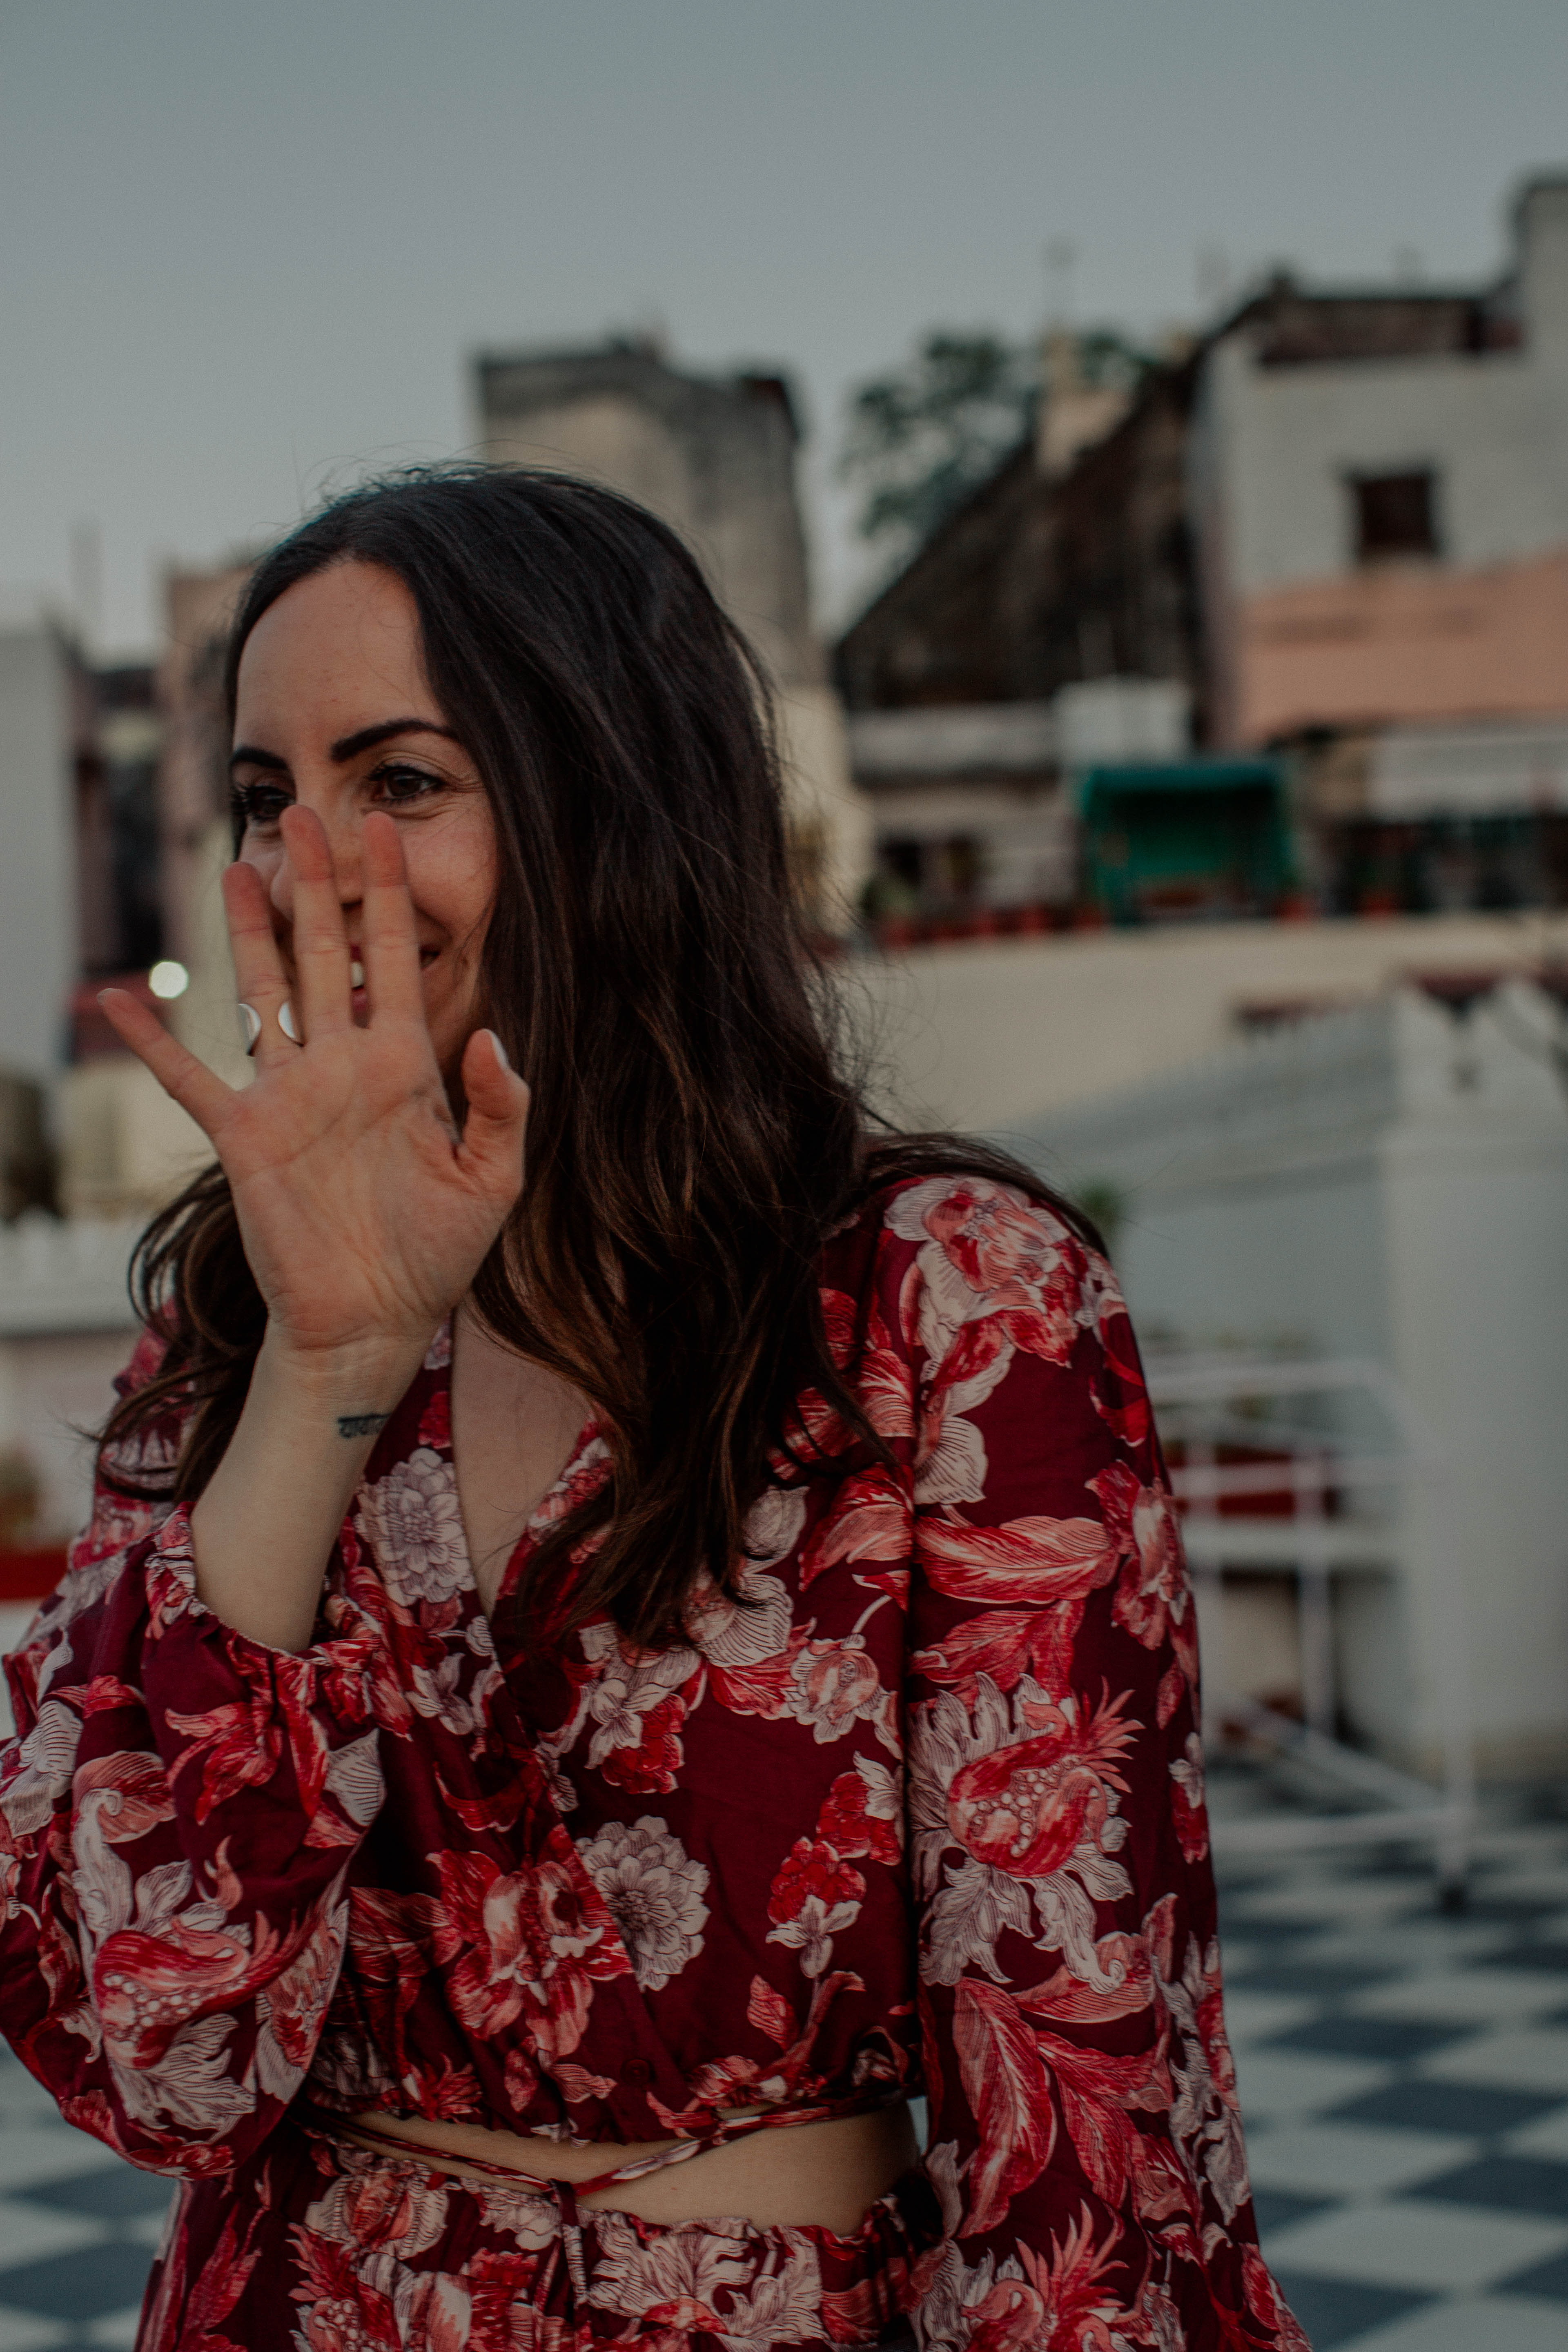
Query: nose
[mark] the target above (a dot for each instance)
(343, 832)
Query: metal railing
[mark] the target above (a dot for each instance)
(1321, 1534)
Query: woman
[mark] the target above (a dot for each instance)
(581, 1662)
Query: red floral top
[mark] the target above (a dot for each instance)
(925, 1816)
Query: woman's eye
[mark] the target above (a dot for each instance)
(399, 785)
(260, 804)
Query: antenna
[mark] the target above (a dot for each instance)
(1061, 260)
(87, 581)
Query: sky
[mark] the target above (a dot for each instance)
(248, 250)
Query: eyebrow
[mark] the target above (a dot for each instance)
(347, 747)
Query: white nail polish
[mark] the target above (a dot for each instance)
(356, 973)
(287, 1022)
(249, 1027)
(502, 1056)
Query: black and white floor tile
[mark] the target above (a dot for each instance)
(1404, 2080)
(1403, 2075)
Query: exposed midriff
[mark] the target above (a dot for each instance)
(806, 2175)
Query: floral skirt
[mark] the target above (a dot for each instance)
(316, 2245)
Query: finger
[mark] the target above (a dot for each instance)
(194, 1086)
(257, 964)
(498, 1100)
(321, 942)
(391, 934)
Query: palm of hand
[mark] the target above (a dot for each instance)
(360, 1217)
(364, 1213)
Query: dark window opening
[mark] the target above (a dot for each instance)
(1396, 514)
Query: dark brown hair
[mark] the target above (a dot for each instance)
(692, 1136)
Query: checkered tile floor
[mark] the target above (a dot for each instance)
(1404, 2078)
(1405, 2081)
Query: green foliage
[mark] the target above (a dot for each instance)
(920, 438)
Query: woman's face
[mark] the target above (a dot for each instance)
(335, 712)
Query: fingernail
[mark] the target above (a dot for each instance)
(287, 1022)
(502, 1056)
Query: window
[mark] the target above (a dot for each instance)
(1396, 514)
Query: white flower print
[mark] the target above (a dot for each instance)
(654, 1891)
(773, 1524)
(744, 1631)
(1187, 1771)
(704, 2270)
(951, 1463)
(415, 1530)
(626, 1688)
(1206, 2120)
(438, 1695)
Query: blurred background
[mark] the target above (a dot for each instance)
(1136, 438)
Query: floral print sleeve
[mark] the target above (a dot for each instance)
(1084, 2141)
(177, 1813)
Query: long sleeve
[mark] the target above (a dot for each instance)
(178, 1811)
(1085, 2139)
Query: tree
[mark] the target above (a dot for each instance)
(923, 437)
(920, 438)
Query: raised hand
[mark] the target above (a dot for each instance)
(364, 1213)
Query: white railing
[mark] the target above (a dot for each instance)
(1315, 1470)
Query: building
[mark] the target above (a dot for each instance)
(715, 458)
(43, 733)
(1388, 1183)
(1335, 527)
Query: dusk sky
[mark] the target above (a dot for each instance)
(247, 250)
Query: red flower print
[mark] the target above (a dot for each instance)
(649, 1768)
(1018, 1258)
(870, 1519)
(848, 1822)
(435, 1422)
(837, 1683)
(814, 1896)
(1153, 1598)
(1024, 1561)
(1025, 1809)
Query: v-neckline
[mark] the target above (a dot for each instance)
(441, 1382)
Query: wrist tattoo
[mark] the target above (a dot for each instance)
(362, 1424)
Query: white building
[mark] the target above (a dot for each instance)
(1379, 488)
(1387, 1182)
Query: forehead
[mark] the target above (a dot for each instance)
(338, 651)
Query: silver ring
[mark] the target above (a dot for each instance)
(249, 1025)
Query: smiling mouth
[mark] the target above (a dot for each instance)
(356, 969)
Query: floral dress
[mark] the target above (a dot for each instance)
(924, 1817)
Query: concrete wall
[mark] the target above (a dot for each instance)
(1376, 1185)
(37, 850)
(986, 1035)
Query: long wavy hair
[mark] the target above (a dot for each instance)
(694, 1134)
